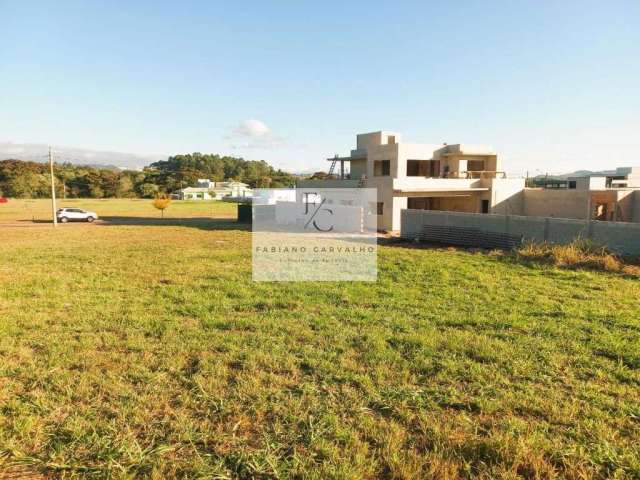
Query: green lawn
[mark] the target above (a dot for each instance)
(146, 351)
(40, 210)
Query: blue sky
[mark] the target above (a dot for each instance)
(551, 85)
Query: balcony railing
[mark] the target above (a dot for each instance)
(482, 174)
(471, 174)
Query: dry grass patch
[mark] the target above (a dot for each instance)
(577, 254)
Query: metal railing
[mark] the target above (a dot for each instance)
(483, 174)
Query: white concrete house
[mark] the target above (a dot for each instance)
(465, 178)
(207, 190)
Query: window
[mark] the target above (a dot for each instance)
(423, 168)
(381, 168)
(417, 168)
(434, 172)
(475, 165)
(417, 203)
(485, 206)
(573, 184)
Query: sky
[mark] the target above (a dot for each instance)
(552, 86)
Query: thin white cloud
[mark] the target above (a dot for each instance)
(251, 128)
(253, 134)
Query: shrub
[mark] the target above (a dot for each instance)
(579, 253)
(161, 202)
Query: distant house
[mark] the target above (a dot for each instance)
(207, 190)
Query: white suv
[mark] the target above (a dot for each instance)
(75, 214)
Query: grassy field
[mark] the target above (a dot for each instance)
(146, 351)
(40, 210)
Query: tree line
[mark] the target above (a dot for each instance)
(25, 179)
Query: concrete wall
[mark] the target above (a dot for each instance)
(390, 218)
(540, 202)
(383, 152)
(621, 205)
(391, 222)
(469, 204)
(636, 206)
(620, 237)
(633, 176)
(358, 168)
(367, 140)
(625, 199)
(507, 195)
(633, 180)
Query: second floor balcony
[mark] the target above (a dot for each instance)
(482, 174)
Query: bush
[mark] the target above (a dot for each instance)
(161, 202)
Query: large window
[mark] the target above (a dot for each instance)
(475, 165)
(381, 168)
(423, 168)
(417, 168)
(421, 203)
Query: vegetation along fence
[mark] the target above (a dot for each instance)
(620, 237)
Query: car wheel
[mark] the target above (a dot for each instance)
(64, 219)
(90, 219)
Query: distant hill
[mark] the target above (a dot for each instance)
(579, 173)
(101, 166)
(102, 159)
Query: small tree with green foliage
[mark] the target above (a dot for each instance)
(148, 190)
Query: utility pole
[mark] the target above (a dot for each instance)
(53, 190)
